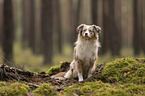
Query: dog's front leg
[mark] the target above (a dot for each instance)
(79, 66)
(91, 70)
(91, 67)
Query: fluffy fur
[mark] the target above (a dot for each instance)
(85, 52)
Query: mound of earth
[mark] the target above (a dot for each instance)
(124, 70)
(13, 74)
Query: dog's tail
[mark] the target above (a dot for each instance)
(70, 72)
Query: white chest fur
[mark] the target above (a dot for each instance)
(86, 49)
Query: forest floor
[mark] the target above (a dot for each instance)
(124, 76)
(18, 75)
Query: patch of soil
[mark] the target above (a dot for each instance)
(10, 73)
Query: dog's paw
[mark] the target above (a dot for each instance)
(80, 80)
(80, 76)
(89, 75)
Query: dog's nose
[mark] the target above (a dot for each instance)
(86, 34)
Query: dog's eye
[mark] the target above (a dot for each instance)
(85, 30)
(90, 30)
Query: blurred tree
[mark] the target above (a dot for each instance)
(38, 47)
(94, 4)
(32, 26)
(75, 20)
(115, 26)
(111, 27)
(26, 22)
(106, 27)
(57, 14)
(1, 20)
(137, 26)
(46, 29)
(143, 32)
(8, 31)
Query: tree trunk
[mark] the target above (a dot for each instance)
(111, 27)
(32, 26)
(115, 27)
(1, 21)
(75, 21)
(37, 22)
(26, 22)
(8, 31)
(106, 28)
(143, 32)
(137, 27)
(46, 29)
(94, 5)
(58, 29)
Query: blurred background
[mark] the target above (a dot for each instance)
(36, 34)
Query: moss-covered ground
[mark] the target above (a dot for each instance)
(121, 77)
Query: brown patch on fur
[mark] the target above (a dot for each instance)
(79, 65)
(74, 54)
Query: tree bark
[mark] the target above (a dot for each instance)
(143, 21)
(1, 21)
(137, 27)
(32, 27)
(94, 5)
(26, 22)
(106, 28)
(111, 27)
(75, 21)
(46, 29)
(58, 29)
(8, 32)
(115, 25)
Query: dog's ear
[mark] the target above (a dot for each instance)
(80, 28)
(96, 28)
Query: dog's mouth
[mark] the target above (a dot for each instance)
(86, 36)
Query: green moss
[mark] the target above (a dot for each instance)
(86, 88)
(110, 92)
(60, 68)
(128, 69)
(105, 89)
(4, 90)
(96, 85)
(2, 84)
(73, 89)
(134, 88)
(14, 90)
(54, 69)
(45, 89)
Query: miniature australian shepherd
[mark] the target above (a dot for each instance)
(85, 52)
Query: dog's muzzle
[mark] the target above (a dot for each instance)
(86, 34)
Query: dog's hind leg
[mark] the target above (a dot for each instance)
(70, 72)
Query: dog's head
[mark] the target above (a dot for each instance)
(88, 31)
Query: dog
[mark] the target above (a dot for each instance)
(85, 52)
